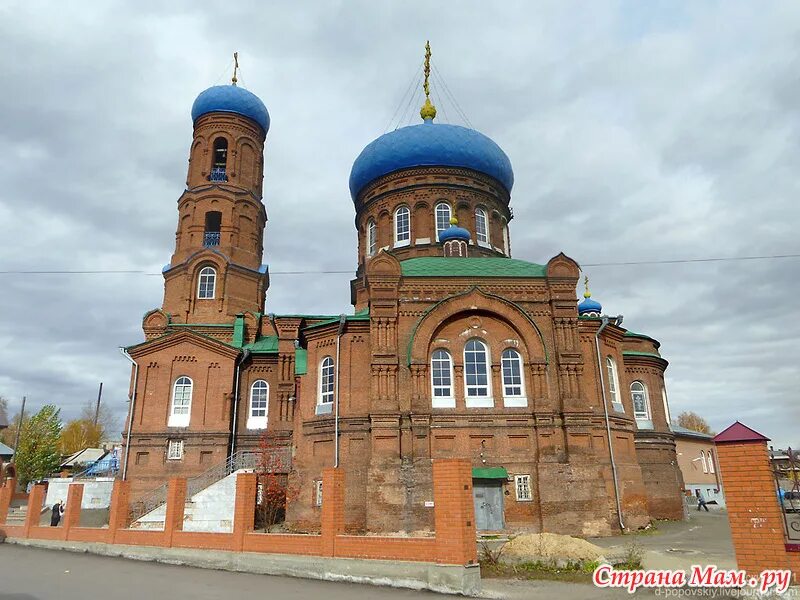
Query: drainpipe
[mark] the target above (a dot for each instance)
(239, 362)
(130, 412)
(342, 320)
(617, 321)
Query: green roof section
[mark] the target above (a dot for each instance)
(300, 361)
(238, 332)
(489, 473)
(644, 354)
(361, 316)
(442, 266)
(264, 345)
(642, 336)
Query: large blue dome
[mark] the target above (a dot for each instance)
(430, 144)
(231, 99)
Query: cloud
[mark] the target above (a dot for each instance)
(637, 132)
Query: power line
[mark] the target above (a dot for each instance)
(350, 271)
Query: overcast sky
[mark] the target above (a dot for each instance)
(638, 131)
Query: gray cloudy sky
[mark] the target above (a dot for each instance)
(637, 130)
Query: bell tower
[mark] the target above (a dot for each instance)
(216, 270)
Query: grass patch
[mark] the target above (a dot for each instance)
(572, 572)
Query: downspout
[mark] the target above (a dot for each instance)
(130, 412)
(605, 322)
(239, 362)
(342, 320)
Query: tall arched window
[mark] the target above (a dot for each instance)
(506, 240)
(613, 384)
(513, 379)
(443, 215)
(402, 226)
(641, 403)
(259, 405)
(326, 380)
(481, 227)
(711, 461)
(181, 405)
(219, 160)
(207, 283)
(372, 237)
(703, 461)
(666, 406)
(442, 380)
(477, 385)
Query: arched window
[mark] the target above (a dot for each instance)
(259, 405)
(326, 381)
(641, 403)
(613, 384)
(666, 406)
(481, 227)
(443, 214)
(207, 283)
(372, 237)
(711, 461)
(703, 461)
(219, 160)
(402, 226)
(181, 406)
(213, 226)
(506, 240)
(442, 380)
(477, 385)
(513, 379)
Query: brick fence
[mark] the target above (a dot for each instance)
(453, 544)
(754, 512)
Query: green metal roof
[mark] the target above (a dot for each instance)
(441, 266)
(362, 316)
(300, 361)
(489, 473)
(636, 353)
(238, 331)
(633, 334)
(264, 345)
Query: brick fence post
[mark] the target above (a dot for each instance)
(118, 512)
(332, 509)
(454, 512)
(72, 513)
(35, 500)
(6, 496)
(176, 504)
(754, 512)
(244, 510)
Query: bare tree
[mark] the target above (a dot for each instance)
(695, 422)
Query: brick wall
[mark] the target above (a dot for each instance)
(454, 543)
(754, 512)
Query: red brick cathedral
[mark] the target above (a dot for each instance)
(452, 349)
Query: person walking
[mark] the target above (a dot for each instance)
(701, 501)
(58, 511)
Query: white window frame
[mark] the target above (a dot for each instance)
(318, 492)
(206, 275)
(474, 400)
(180, 414)
(522, 483)
(402, 238)
(372, 237)
(613, 384)
(447, 400)
(482, 222)
(174, 449)
(703, 461)
(710, 459)
(510, 399)
(637, 414)
(258, 421)
(327, 381)
(441, 226)
(506, 240)
(666, 406)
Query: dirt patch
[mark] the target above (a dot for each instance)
(550, 547)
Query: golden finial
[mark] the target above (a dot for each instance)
(587, 293)
(235, 67)
(453, 220)
(428, 110)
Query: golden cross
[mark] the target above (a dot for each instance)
(235, 67)
(428, 111)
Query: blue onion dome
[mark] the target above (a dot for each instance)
(430, 144)
(231, 99)
(454, 232)
(587, 306)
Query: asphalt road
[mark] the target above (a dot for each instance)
(33, 573)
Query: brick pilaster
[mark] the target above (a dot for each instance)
(454, 512)
(6, 496)
(118, 512)
(244, 512)
(176, 503)
(35, 500)
(332, 509)
(72, 512)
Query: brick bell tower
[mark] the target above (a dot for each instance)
(216, 270)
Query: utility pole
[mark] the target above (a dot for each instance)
(97, 408)
(19, 428)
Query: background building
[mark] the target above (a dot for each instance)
(698, 464)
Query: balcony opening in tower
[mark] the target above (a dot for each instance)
(220, 160)
(212, 230)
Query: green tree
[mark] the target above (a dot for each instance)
(38, 454)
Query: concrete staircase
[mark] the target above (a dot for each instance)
(16, 515)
